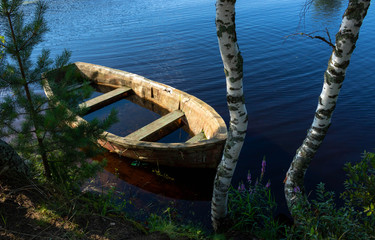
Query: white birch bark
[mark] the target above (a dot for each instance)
(334, 76)
(233, 68)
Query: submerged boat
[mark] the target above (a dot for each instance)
(207, 130)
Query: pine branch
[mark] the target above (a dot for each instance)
(12, 129)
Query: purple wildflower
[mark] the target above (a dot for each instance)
(268, 184)
(249, 177)
(263, 167)
(242, 187)
(296, 189)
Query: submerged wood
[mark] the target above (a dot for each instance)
(205, 126)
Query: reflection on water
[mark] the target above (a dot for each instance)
(152, 189)
(327, 10)
(327, 7)
(169, 182)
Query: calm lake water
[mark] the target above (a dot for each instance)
(174, 42)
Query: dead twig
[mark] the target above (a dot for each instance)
(310, 35)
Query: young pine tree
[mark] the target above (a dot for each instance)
(39, 129)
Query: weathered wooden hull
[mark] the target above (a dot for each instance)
(197, 117)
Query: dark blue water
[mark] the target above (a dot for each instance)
(174, 42)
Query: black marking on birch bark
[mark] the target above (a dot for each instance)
(358, 25)
(312, 146)
(343, 65)
(323, 130)
(320, 100)
(241, 132)
(326, 112)
(228, 45)
(333, 72)
(352, 49)
(236, 79)
(230, 57)
(315, 137)
(220, 186)
(220, 31)
(232, 108)
(222, 173)
(234, 121)
(233, 17)
(235, 89)
(333, 79)
(230, 29)
(229, 170)
(356, 10)
(246, 119)
(318, 116)
(239, 64)
(305, 152)
(235, 99)
(218, 21)
(238, 139)
(338, 52)
(227, 155)
(333, 96)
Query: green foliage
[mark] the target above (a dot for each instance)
(360, 185)
(175, 230)
(322, 219)
(359, 191)
(2, 41)
(110, 202)
(251, 208)
(40, 129)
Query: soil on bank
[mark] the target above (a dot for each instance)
(30, 211)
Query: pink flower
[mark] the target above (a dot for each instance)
(296, 189)
(268, 184)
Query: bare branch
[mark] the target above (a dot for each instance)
(310, 35)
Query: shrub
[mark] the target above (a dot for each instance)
(322, 219)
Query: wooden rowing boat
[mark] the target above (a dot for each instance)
(177, 109)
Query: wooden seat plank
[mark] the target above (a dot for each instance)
(158, 128)
(197, 138)
(105, 99)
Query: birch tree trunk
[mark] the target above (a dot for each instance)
(233, 69)
(334, 76)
